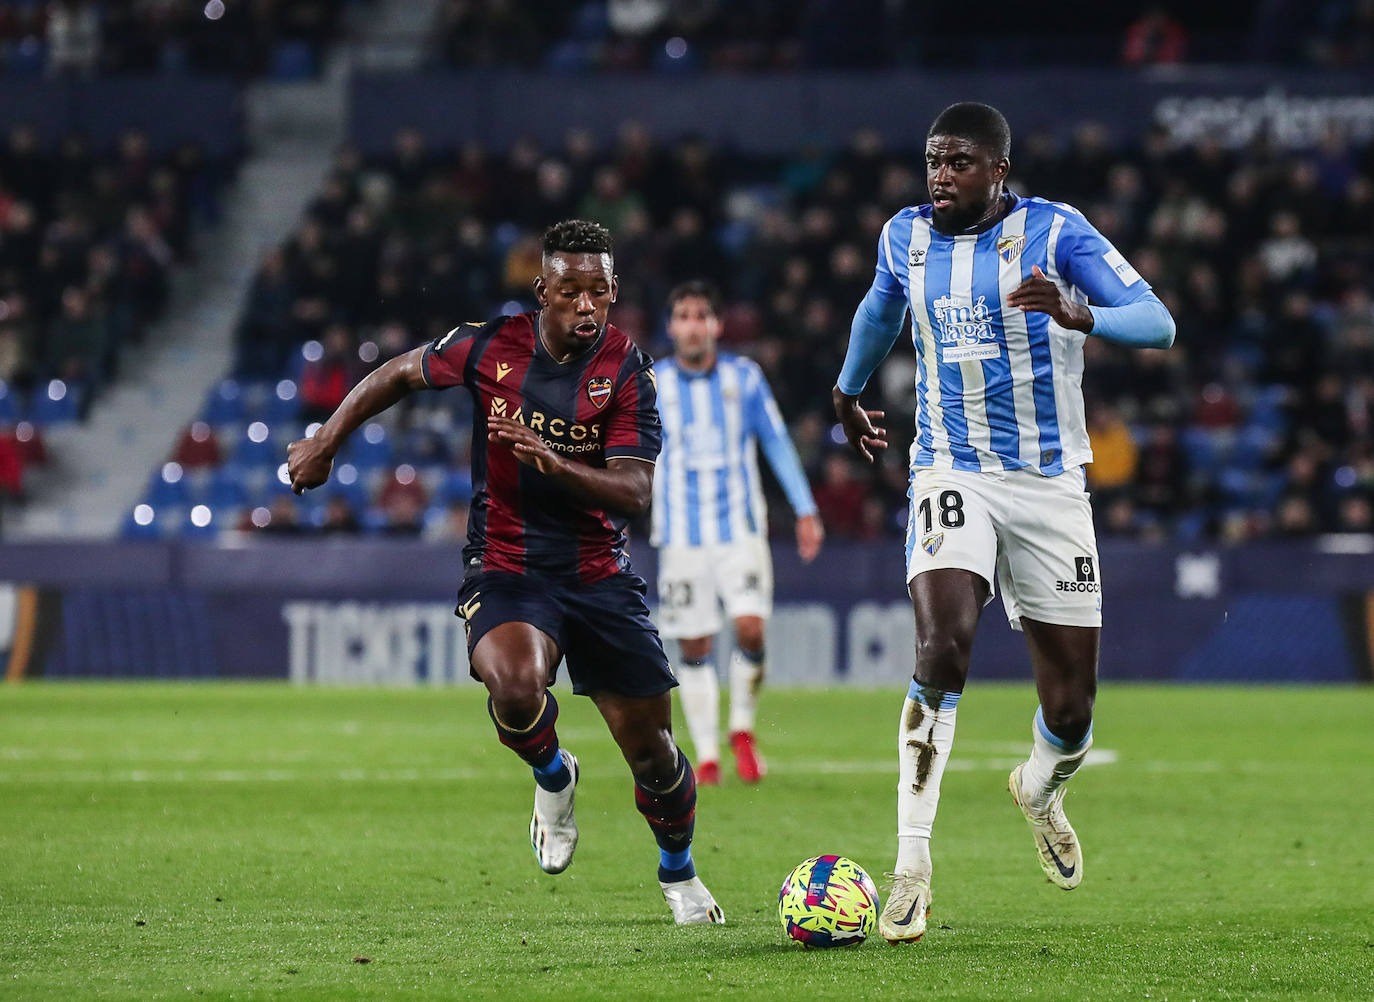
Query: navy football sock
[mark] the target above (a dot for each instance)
(671, 814)
(537, 744)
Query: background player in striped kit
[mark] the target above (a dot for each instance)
(709, 522)
(998, 287)
(564, 439)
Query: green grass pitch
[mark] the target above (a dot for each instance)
(259, 841)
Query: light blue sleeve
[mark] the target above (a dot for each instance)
(874, 330)
(777, 445)
(1086, 259)
(1146, 323)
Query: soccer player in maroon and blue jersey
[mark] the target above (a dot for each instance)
(564, 443)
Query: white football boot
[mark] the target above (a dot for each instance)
(692, 903)
(908, 906)
(553, 830)
(1056, 844)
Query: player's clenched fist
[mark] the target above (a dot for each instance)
(308, 464)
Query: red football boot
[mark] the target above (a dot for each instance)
(748, 763)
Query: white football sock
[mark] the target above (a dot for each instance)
(699, 690)
(1051, 763)
(746, 678)
(924, 739)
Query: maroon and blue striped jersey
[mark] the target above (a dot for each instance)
(598, 406)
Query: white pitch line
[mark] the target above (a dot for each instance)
(832, 767)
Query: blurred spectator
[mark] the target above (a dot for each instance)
(197, 448)
(1154, 38)
(339, 517)
(76, 342)
(1115, 455)
(283, 518)
(1276, 327)
(266, 333)
(73, 38)
(840, 496)
(402, 502)
(11, 468)
(327, 377)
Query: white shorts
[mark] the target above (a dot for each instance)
(1029, 534)
(694, 582)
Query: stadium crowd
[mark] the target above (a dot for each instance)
(1257, 422)
(88, 241)
(672, 36)
(87, 38)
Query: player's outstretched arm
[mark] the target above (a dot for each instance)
(625, 486)
(309, 460)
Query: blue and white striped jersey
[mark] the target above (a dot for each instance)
(706, 487)
(997, 388)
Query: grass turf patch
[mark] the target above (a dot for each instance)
(262, 841)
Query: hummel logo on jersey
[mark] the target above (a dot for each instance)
(931, 544)
(917, 259)
(599, 390)
(498, 407)
(502, 371)
(1009, 247)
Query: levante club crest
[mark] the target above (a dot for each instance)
(599, 390)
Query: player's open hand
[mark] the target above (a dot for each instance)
(308, 464)
(1037, 294)
(528, 447)
(864, 436)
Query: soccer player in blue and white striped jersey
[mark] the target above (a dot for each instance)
(710, 525)
(1002, 291)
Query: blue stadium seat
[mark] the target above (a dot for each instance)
(590, 23)
(226, 488)
(455, 486)
(26, 59)
(57, 403)
(133, 529)
(250, 453)
(293, 61)
(225, 403)
(369, 448)
(208, 531)
(569, 57)
(163, 493)
(353, 491)
(9, 404)
(284, 404)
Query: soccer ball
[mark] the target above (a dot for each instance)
(828, 901)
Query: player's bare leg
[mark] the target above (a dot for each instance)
(1064, 659)
(515, 661)
(699, 693)
(666, 794)
(747, 669)
(946, 604)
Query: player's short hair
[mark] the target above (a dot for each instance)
(980, 124)
(577, 236)
(696, 288)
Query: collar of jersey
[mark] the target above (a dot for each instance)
(541, 350)
(1009, 199)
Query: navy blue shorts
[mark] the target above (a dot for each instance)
(603, 630)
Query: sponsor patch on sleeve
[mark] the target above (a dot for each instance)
(1122, 267)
